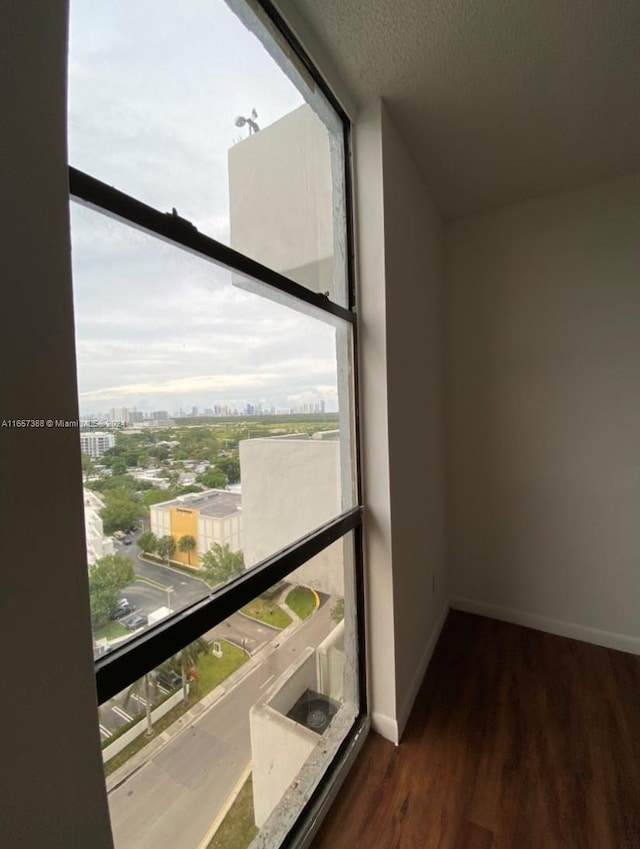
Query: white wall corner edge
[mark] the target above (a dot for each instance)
(385, 726)
(421, 670)
(607, 639)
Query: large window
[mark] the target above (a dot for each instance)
(215, 338)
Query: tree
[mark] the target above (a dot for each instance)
(337, 611)
(118, 466)
(187, 543)
(88, 466)
(148, 542)
(154, 495)
(107, 577)
(119, 512)
(134, 690)
(166, 547)
(220, 564)
(230, 466)
(212, 478)
(189, 658)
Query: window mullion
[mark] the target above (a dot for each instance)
(124, 665)
(171, 227)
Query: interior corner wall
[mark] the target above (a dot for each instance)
(53, 791)
(543, 376)
(400, 250)
(414, 248)
(372, 351)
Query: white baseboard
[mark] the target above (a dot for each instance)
(393, 729)
(608, 639)
(385, 726)
(421, 671)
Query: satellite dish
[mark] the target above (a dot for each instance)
(254, 114)
(240, 121)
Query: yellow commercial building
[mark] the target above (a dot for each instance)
(208, 517)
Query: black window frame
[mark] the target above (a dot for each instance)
(120, 667)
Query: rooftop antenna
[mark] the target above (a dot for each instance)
(240, 121)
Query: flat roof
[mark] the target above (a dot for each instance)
(212, 502)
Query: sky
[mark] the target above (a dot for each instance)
(154, 90)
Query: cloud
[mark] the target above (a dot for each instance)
(156, 119)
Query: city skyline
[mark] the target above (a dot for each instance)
(132, 415)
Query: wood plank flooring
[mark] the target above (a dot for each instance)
(518, 740)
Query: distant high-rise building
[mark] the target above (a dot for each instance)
(119, 414)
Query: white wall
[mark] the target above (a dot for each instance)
(543, 356)
(289, 488)
(53, 791)
(414, 279)
(279, 745)
(281, 198)
(400, 276)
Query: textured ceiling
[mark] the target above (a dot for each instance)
(498, 100)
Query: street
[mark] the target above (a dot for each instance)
(174, 797)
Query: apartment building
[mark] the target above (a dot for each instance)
(96, 442)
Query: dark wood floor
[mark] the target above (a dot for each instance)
(518, 740)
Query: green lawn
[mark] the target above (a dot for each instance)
(212, 671)
(110, 631)
(237, 829)
(302, 601)
(267, 611)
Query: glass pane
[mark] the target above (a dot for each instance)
(271, 694)
(181, 106)
(216, 423)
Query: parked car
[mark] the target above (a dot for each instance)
(169, 679)
(127, 542)
(123, 608)
(137, 621)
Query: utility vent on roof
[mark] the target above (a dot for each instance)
(314, 711)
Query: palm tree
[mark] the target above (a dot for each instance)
(166, 547)
(188, 659)
(134, 689)
(187, 543)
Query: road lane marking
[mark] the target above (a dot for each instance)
(106, 731)
(267, 681)
(121, 713)
(139, 699)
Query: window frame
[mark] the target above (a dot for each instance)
(122, 666)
